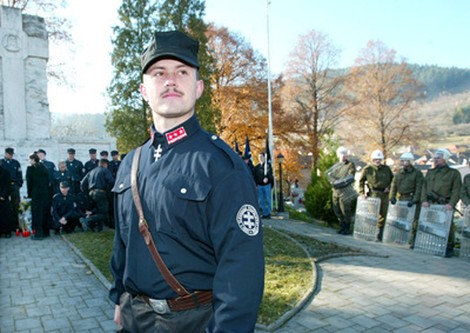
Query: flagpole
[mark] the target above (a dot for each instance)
(270, 116)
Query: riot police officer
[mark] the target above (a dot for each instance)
(378, 178)
(75, 167)
(200, 205)
(16, 182)
(442, 186)
(406, 186)
(342, 175)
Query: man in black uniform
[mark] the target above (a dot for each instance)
(264, 181)
(114, 164)
(64, 209)
(200, 204)
(92, 163)
(16, 179)
(75, 167)
(61, 175)
(97, 183)
(104, 154)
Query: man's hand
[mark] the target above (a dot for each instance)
(63, 221)
(425, 204)
(117, 315)
(265, 180)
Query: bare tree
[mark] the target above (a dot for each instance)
(311, 92)
(383, 92)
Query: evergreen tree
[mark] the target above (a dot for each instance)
(129, 117)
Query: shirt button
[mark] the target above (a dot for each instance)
(214, 137)
(183, 190)
(121, 185)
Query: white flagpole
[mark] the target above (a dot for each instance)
(270, 116)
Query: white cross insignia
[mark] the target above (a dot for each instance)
(158, 152)
(248, 220)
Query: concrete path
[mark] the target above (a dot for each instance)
(46, 287)
(399, 290)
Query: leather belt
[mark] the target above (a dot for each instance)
(182, 303)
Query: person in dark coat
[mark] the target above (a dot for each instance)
(37, 179)
(64, 209)
(7, 224)
(62, 175)
(16, 182)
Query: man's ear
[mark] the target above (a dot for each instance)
(143, 91)
(199, 88)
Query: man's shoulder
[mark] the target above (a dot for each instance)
(223, 150)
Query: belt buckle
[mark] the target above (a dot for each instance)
(160, 306)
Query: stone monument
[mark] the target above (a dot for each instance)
(25, 120)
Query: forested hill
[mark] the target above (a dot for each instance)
(440, 81)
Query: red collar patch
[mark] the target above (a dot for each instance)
(176, 135)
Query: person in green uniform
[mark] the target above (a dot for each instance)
(342, 175)
(465, 190)
(442, 186)
(406, 186)
(378, 178)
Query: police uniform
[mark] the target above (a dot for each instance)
(65, 206)
(90, 165)
(442, 186)
(75, 167)
(406, 186)
(341, 207)
(16, 182)
(201, 206)
(97, 183)
(113, 166)
(378, 180)
(61, 176)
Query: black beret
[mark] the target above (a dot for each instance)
(41, 151)
(9, 150)
(92, 151)
(64, 184)
(170, 45)
(114, 152)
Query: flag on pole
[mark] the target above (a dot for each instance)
(247, 153)
(267, 156)
(237, 150)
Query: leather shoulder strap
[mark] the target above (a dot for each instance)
(144, 230)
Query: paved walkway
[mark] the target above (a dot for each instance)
(46, 287)
(399, 290)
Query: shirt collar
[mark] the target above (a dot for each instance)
(175, 135)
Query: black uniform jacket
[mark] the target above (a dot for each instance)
(202, 209)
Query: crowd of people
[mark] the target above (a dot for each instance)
(442, 185)
(74, 195)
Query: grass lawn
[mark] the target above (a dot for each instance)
(289, 270)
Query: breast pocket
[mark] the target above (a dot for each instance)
(123, 205)
(186, 203)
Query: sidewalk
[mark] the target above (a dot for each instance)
(46, 287)
(399, 290)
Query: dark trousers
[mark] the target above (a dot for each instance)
(40, 215)
(138, 316)
(15, 204)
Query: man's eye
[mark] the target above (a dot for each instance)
(183, 72)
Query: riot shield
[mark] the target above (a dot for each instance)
(433, 230)
(465, 234)
(367, 215)
(399, 223)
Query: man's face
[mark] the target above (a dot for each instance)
(261, 158)
(8, 156)
(71, 156)
(41, 156)
(114, 157)
(62, 167)
(342, 157)
(93, 156)
(439, 160)
(64, 190)
(377, 161)
(171, 89)
(405, 163)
